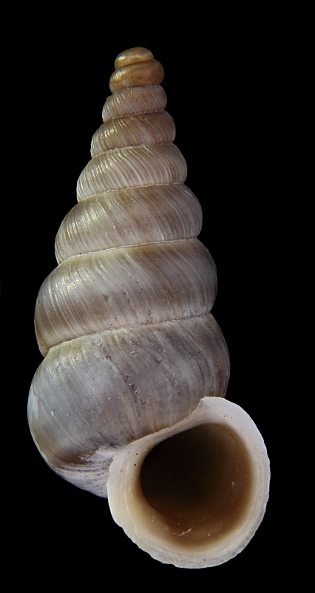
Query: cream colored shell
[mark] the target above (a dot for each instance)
(133, 355)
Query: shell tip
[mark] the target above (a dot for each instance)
(135, 67)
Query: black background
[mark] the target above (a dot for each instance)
(222, 88)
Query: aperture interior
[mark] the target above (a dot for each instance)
(200, 483)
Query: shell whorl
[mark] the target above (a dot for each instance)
(124, 319)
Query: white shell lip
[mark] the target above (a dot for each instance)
(145, 526)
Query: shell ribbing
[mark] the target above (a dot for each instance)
(146, 99)
(134, 166)
(129, 217)
(125, 287)
(127, 254)
(133, 130)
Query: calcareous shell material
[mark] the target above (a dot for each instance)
(128, 402)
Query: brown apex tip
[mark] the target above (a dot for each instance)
(135, 67)
(133, 56)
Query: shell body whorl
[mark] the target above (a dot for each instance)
(124, 322)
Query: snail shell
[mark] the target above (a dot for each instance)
(133, 355)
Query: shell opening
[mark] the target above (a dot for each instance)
(198, 484)
(193, 494)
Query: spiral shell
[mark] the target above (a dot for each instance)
(132, 353)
